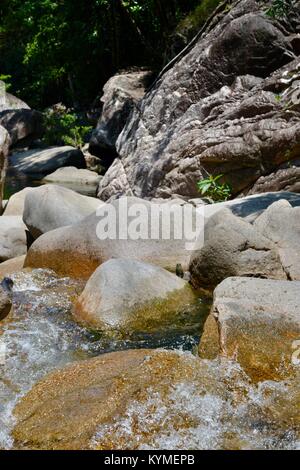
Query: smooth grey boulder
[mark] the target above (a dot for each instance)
(13, 240)
(15, 204)
(50, 206)
(81, 180)
(224, 108)
(40, 162)
(120, 94)
(281, 224)
(233, 247)
(80, 249)
(126, 296)
(259, 325)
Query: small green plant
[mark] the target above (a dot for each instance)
(213, 189)
(64, 127)
(279, 8)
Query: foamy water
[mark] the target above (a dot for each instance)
(41, 336)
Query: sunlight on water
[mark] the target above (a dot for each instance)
(220, 409)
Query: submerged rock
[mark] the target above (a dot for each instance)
(50, 206)
(40, 162)
(155, 399)
(128, 296)
(259, 325)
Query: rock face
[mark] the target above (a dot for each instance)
(227, 107)
(84, 181)
(120, 94)
(259, 323)
(41, 162)
(23, 125)
(129, 296)
(285, 179)
(4, 148)
(13, 240)
(5, 304)
(78, 251)
(49, 207)
(233, 247)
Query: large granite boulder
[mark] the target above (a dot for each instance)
(78, 250)
(120, 94)
(226, 107)
(259, 325)
(40, 162)
(280, 223)
(50, 206)
(127, 296)
(233, 247)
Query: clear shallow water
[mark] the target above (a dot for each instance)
(40, 336)
(221, 409)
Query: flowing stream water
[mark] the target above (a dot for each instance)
(222, 408)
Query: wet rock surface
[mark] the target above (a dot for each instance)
(146, 399)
